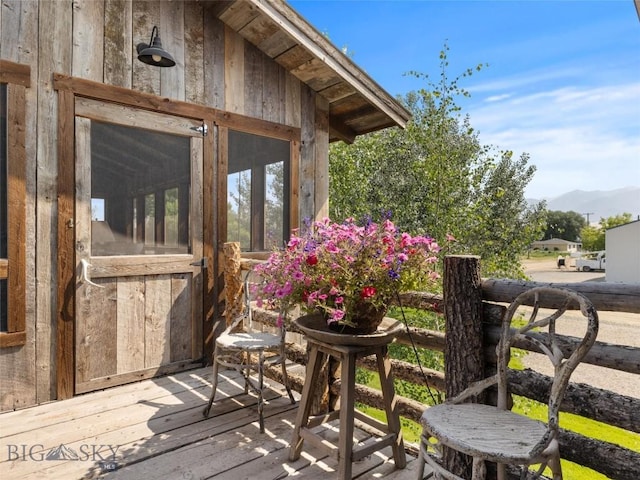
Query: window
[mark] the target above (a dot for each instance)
(140, 187)
(14, 79)
(258, 189)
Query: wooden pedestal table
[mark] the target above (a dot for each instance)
(347, 348)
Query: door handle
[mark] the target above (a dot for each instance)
(84, 275)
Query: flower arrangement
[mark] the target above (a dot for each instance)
(346, 271)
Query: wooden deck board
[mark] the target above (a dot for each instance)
(156, 429)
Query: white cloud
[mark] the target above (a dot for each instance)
(497, 98)
(577, 136)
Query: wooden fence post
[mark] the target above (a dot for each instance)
(463, 354)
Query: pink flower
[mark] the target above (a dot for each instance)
(284, 291)
(332, 248)
(405, 239)
(293, 243)
(328, 266)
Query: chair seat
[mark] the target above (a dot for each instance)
(249, 341)
(484, 431)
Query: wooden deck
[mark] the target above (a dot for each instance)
(155, 429)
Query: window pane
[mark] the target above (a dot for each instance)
(3, 170)
(274, 206)
(258, 191)
(150, 219)
(97, 209)
(3, 203)
(239, 209)
(130, 164)
(171, 217)
(136, 227)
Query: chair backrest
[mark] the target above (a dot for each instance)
(251, 280)
(541, 333)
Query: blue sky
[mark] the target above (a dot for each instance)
(562, 82)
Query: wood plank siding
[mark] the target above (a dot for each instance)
(254, 64)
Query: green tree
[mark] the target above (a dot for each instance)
(565, 225)
(239, 209)
(593, 238)
(274, 205)
(504, 225)
(435, 178)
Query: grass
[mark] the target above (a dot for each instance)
(410, 430)
(584, 426)
(575, 423)
(589, 428)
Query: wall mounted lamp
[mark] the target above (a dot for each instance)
(153, 53)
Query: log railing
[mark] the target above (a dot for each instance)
(473, 310)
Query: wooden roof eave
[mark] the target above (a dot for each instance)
(305, 34)
(306, 52)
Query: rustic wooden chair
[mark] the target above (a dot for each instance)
(495, 434)
(248, 349)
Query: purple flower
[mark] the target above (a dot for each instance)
(327, 265)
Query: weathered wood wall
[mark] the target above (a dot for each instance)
(20, 368)
(96, 40)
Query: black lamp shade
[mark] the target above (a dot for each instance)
(154, 54)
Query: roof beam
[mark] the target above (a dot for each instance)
(341, 131)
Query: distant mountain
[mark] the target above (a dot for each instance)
(598, 204)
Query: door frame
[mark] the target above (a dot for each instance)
(68, 89)
(112, 348)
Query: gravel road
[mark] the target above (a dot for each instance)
(615, 327)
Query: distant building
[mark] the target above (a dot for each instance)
(556, 245)
(623, 253)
